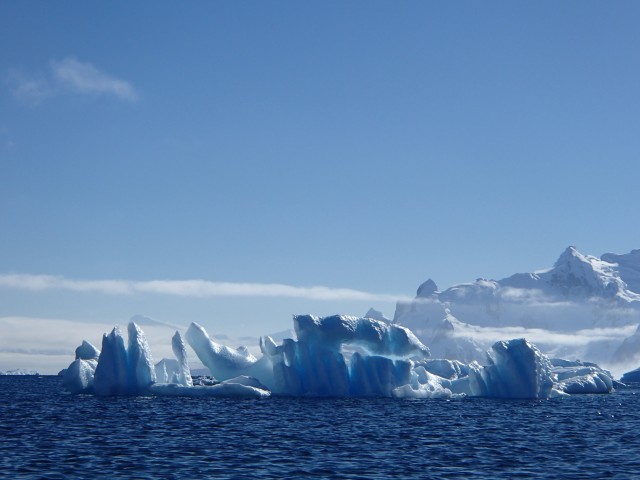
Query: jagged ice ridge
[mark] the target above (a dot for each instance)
(384, 360)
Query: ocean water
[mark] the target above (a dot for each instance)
(48, 434)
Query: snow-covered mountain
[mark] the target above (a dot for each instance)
(597, 298)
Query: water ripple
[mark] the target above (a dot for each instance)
(47, 434)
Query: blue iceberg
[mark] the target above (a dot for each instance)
(336, 356)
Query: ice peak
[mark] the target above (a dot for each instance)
(427, 288)
(570, 254)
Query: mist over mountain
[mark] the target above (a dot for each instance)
(583, 307)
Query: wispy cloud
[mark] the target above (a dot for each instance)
(84, 78)
(27, 89)
(190, 288)
(68, 76)
(580, 337)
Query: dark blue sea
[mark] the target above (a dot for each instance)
(47, 434)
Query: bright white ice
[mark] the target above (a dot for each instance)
(332, 356)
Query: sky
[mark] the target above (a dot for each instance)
(234, 163)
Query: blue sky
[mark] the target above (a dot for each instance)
(350, 145)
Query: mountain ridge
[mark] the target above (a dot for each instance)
(578, 293)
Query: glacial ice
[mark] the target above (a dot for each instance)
(183, 376)
(78, 377)
(575, 377)
(167, 371)
(223, 362)
(335, 356)
(87, 351)
(424, 384)
(19, 372)
(517, 369)
(112, 375)
(140, 362)
(631, 377)
(235, 387)
(449, 369)
(375, 336)
(175, 370)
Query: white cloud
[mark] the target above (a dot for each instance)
(30, 90)
(84, 78)
(189, 288)
(547, 337)
(68, 76)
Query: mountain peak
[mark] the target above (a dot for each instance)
(376, 315)
(427, 288)
(570, 254)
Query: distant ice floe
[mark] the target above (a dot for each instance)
(19, 372)
(631, 377)
(336, 356)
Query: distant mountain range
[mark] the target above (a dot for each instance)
(580, 293)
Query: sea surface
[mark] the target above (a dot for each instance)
(48, 434)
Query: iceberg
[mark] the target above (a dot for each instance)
(517, 369)
(631, 377)
(315, 365)
(242, 387)
(112, 374)
(424, 384)
(87, 351)
(78, 377)
(116, 369)
(223, 362)
(183, 375)
(20, 372)
(175, 370)
(167, 370)
(375, 336)
(444, 368)
(575, 377)
(335, 356)
(139, 359)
